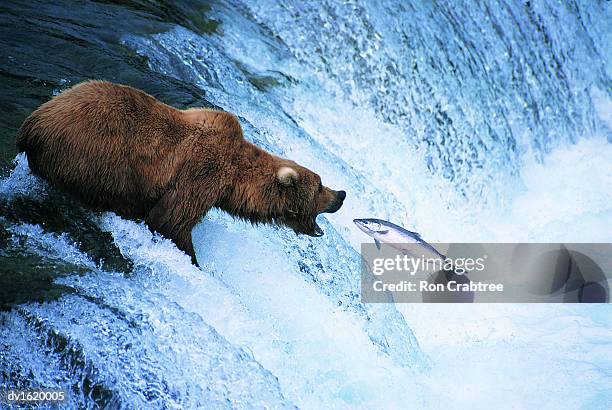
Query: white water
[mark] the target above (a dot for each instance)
(274, 319)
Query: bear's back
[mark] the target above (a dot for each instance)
(100, 110)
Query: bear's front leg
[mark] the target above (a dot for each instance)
(176, 213)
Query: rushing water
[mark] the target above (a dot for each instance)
(479, 121)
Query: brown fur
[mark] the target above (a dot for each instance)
(119, 149)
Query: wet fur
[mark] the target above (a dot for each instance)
(119, 149)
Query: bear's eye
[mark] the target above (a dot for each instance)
(320, 187)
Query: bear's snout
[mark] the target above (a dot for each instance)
(336, 202)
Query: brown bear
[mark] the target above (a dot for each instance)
(119, 149)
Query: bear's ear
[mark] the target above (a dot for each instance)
(287, 176)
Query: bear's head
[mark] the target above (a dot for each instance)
(269, 189)
(299, 197)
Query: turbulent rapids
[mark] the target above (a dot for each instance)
(468, 122)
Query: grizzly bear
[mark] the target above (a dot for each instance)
(119, 149)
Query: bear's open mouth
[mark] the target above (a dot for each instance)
(313, 228)
(304, 227)
(317, 231)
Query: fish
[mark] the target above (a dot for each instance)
(394, 236)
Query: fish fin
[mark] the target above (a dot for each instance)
(416, 234)
(377, 242)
